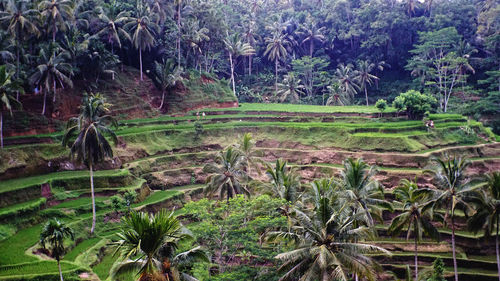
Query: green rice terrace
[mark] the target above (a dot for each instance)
(161, 161)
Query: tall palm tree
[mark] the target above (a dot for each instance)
(227, 174)
(167, 75)
(57, 15)
(487, 215)
(91, 146)
(451, 191)
(111, 29)
(323, 241)
(249, 152)
(412, 217)
(290, 88)
(51, 70)
(251, 37)
(310, 32)
(235, 48)
(346, 77)
(364, 76)
(362, 191)
(143, 29)
(19, 17)
(178, 3)
(195, 35)
(276, 50)
(154, 239)
(7, 87)
(54, 232)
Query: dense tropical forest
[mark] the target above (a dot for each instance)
(221, 140)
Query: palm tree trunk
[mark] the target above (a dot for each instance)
(276, 76)
(140, 60)
(1, 133)
(366, 95)
(54, 87)
(311, 48)
(250, 65)
(497, 251)
(179, 35)
(54, 32)
(93, 197)
(232, 73)
(453, 243)
(60, 271)
(44, 101)
(162, 99)
(416, 255)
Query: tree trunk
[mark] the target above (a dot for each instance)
(54, 87)
(54, 33)
(497, 251)
(179, 35)
(366, 95)
(453, 244)
(1, 130)
(276, 77)
(60, 271)
(416, 256)
(250, 65)
(311, 48)
(93, 197)
(44, 101)
(232, 73)
(140, 60)
(162, 99)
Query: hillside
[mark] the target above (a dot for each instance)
(161, 159)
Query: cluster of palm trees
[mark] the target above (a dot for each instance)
(332, 222)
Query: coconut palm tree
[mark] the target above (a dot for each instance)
(111, 29)
(276, 50)
(18, 18)
(412, 218)
(487, 215)
(290, 88)
(362, 191)
(345, 75)
(249, 152)
(235, 48)
(323, 243)
(336, 95)
(227, 174)
(57, 15)
(7, 101)
(51, 70)
(194, 36)
(251, 37)
(310, 32)
(167, 75)
(452, 189)
(143, 29)
(91, 146)
(364, 76)
(155, 240)
(54, 232)
(284, 182)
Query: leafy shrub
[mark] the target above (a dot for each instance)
(381, 105)
(415, 104)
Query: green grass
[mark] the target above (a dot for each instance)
(103, 267)
(20, 183)
(21, 208)
(301, 108)
(12, 249)
(77, 203)
(157, 197)
(35, 268)
(80, 248)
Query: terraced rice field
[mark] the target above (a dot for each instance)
(161, 159)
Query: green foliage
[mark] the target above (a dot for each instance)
(198, 131)
(22, 208)
(438, 270)
(381, 105)
(416, 103)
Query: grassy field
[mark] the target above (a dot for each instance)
(301, 108)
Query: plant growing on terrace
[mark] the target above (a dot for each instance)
(54, 232)
(381, 105)
(227, 174)
(249, 153)
(149, 244)
(413, 217)
(91, 146)
(487, 215)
